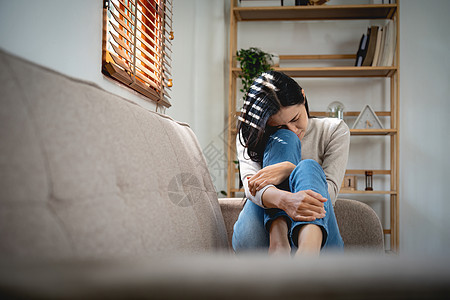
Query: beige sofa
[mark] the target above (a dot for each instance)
(100, 197)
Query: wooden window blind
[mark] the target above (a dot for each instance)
(137, 46)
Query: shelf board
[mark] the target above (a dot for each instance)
(352, 172)
(362, 172)
(346, 113)
(357, 132)
(334, 71)
(373, 131)
(309, 13)
(342, 192)
(345, 192)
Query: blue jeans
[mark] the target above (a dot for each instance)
(251, 228)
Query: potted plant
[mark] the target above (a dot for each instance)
(253, 62)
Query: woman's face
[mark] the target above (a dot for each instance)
(292, 117)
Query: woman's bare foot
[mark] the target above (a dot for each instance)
(279, 242)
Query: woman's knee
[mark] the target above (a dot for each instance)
(309, 167)
(310, 164)
(309, 175)
(286, 138)
(285, 133)
(283, 145)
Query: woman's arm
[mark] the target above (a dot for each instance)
(273, 175)
(335, 159)
(247, 169)
(256, 180)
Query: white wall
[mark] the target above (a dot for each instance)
(63, 35)
(199, 71)
(424, 139)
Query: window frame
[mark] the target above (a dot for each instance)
(136, 48)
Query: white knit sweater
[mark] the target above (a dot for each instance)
(326, 141)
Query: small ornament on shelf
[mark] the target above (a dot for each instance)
(367, 119)
(349, 183)
(369, 181)
(336, 110)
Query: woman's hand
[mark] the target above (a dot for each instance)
(301, 206)
(304, 205)
(273, 174)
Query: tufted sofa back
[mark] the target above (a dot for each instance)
(87, 174)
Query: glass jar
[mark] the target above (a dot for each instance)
(336, 110)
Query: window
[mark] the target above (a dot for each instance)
(137, 38)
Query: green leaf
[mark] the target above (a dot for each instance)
(253, 62)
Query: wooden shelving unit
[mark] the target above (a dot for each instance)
(327, 12)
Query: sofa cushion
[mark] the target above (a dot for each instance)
(359, 225)
(85, 173)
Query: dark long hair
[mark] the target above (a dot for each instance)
(269, 92)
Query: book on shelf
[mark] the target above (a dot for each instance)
(372, 32)
(362, 50)
(382, 42)
(392, 43)
(383, 56)
(390, 39)
(377, 47)
(376, 55)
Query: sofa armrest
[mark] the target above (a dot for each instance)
(359, 225)
(231, 207)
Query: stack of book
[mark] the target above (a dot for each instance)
(377, 46)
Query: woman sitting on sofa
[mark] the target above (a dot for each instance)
(291, 166)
